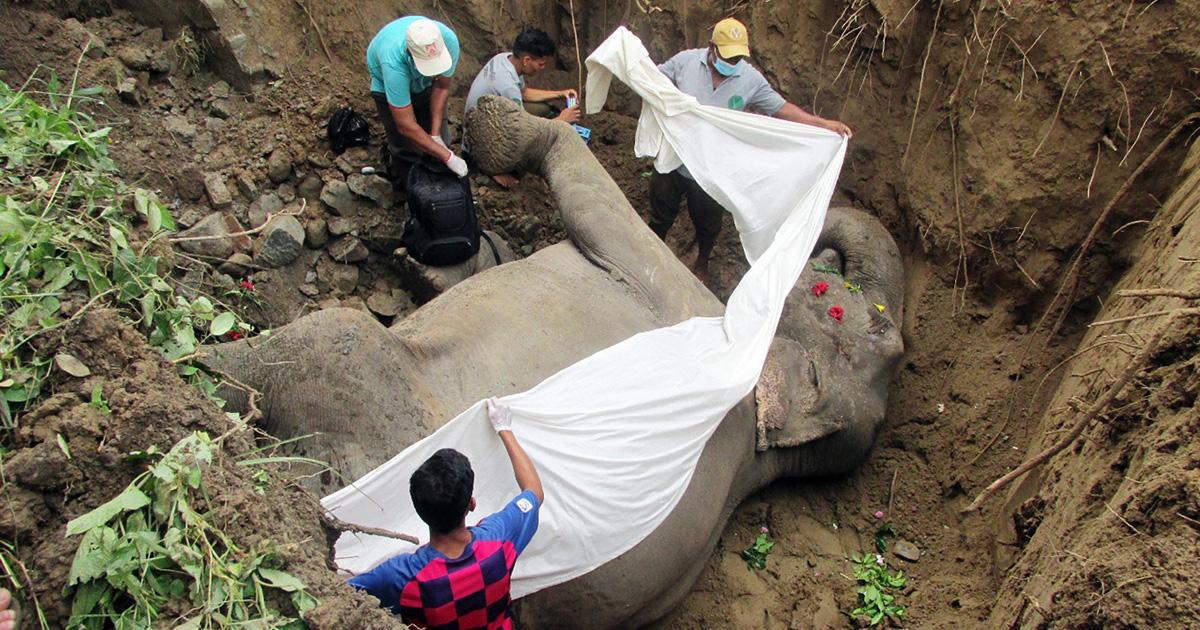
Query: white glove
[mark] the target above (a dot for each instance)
(441, 143)
(500, 414)
(457, 164)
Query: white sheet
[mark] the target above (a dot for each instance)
(616, 437)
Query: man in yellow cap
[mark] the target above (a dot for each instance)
(721, 76)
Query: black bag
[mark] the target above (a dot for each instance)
(441, 228)
(347, 128)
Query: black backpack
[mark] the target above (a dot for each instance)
(347, 128)
(441, 228)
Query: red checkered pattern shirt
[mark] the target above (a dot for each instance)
(431, 591)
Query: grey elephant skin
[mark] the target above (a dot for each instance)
(368, 391)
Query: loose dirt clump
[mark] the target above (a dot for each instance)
(989, 137)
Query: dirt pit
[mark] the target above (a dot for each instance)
(995, 140)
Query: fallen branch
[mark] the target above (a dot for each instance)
(320, 37)
(1148, 293)
(339, 525)
(1118, 320)
(1100, 406)
(265, 223)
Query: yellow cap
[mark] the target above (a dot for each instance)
(731, 38)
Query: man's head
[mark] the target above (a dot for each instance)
(441, 490)
(428, 48)
(731, 39)
(531, 51)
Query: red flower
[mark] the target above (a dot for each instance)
(836, 313)
(235, 335)
(247, 285)
(819, 289)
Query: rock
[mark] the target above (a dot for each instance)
(218, 192)
(81, 36)
(224, 108)
(204, 143)
(190, 216)
(238, 265)
(524, 228)
(179, 126)
(355, 303)
(220, 89)
(336, 278)
(389, 303)
(135, 57)
(246, 186)
(316, 235)
(340, 199)
(310, 277)
(214, 124)
(309, 289)
(358, 157)
(286, 192)
(260, 208)
(279, 165)
(348, 249)
(127, 90)
(280, 242)
(342, 225)
(310, 187)
(217, 244)
(319, 161)
(372, 187)
(906, 551)
(191, 184)
(328, 303)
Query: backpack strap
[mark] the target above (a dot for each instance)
(492, 245)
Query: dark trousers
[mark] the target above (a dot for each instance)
(667, 191)
(400, 153)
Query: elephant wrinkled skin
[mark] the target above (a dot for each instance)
(370, 391)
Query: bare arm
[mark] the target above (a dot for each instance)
(796, 114)
(534, 95)
(523, 468)
(406, 124)
(438, 97)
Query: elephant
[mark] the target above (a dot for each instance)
(367, 391)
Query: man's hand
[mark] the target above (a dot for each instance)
(441, 143)
(500, 414)
(569, 115)
(568, 93)
(840, 128)
(456, 164)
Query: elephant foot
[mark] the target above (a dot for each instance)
(425, 282)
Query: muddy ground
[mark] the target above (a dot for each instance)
(992, 138)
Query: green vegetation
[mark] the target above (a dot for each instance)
(67, 230)
(756, 554)
(152, 557)
(877, 588)
(818, 267)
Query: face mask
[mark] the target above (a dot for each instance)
(725, 68)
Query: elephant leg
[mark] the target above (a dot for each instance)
(338, 380)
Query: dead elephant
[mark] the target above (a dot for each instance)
(371, 391)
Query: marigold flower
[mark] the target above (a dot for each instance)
(819, 289)
(247, 285)
(836, 313)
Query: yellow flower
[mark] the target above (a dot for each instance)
(879, 306)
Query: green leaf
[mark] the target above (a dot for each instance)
(222, 324)
(117, 237)
(131, 499)
(280, 580)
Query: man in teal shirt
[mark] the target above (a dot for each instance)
(411, 61)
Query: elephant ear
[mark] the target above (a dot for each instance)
(787, 399)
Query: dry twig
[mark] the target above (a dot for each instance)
(339, 525)
(181, 239)
(316, 28)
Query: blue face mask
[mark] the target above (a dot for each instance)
(723, 67)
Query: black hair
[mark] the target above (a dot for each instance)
(533, 42)
(441, 490)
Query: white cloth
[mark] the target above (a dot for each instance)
(616, 436)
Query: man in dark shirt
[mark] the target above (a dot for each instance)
(461, 579)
